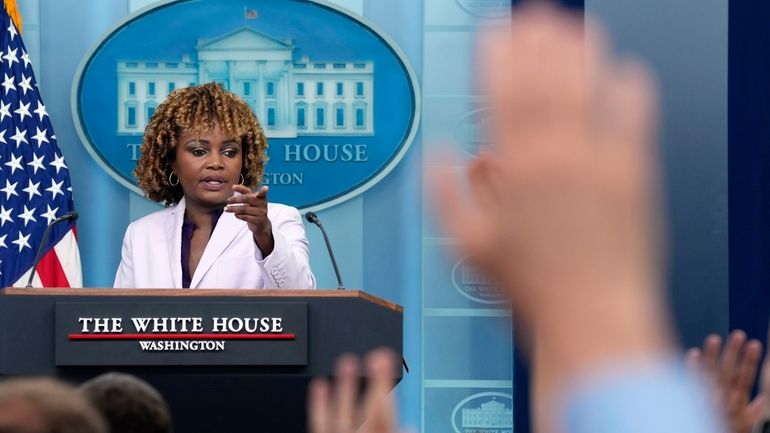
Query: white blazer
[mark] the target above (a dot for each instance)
(152, 253)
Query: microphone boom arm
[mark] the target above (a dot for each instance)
(313, 218)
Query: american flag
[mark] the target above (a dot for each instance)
(250, 14)
(35, 186)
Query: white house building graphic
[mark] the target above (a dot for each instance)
(290, 98)
(490, 416)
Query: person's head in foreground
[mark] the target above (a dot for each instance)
(128, 403)
(46, 406)
(201, 141)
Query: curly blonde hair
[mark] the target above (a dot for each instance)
(196, 109)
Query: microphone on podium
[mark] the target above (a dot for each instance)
(69, 216)
(312, 218)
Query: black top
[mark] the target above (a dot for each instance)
(188, 227)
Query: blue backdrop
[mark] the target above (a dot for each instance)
(459, 349)
(387, 241)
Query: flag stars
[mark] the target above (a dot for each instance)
(10, 189)
(26, 84)
(12, 31)
(22, 241)
(3, 245)
(28, 215)
(11, 57)
(25, 58)
(14, 163)
(50, 214)
(32, 189)
(55, 188)
(58, 162)
(19, 137)
(40, 136)
(5, 215)
(36, 163)
(8, 84)
(23, 111)
(5, 110)
(2, 136)
(40, 110)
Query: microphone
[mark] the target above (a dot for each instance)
(69, 216)
(312, 218)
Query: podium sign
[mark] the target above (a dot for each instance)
(213, 354)
(181, 333)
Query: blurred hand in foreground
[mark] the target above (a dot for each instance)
(731, 371)
(564, 208)
(339, 410)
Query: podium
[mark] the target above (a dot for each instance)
(227, 395)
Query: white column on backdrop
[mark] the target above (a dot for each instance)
(344, 223)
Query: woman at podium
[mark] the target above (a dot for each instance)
(203, 152)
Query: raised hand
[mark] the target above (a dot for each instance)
(731, 371)
(341, 411)
(563, 209)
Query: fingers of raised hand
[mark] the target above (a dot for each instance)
(345, 393)
(731, 353)
(694, 358)
(339, 410)
(484, 188)
(734, 366)
(319, 407)
(460, 212)
(749, 365)
(712, 346)
(379, 409)
(536, 74)
(334, 411)
(763, 404)
(552, 76)
(626, 106)
(764, 386)
(739, 363)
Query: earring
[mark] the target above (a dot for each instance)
(170, 182)
(243, 179)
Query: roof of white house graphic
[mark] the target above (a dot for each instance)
(244, 38)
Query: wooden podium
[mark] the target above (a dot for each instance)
(203, 398)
